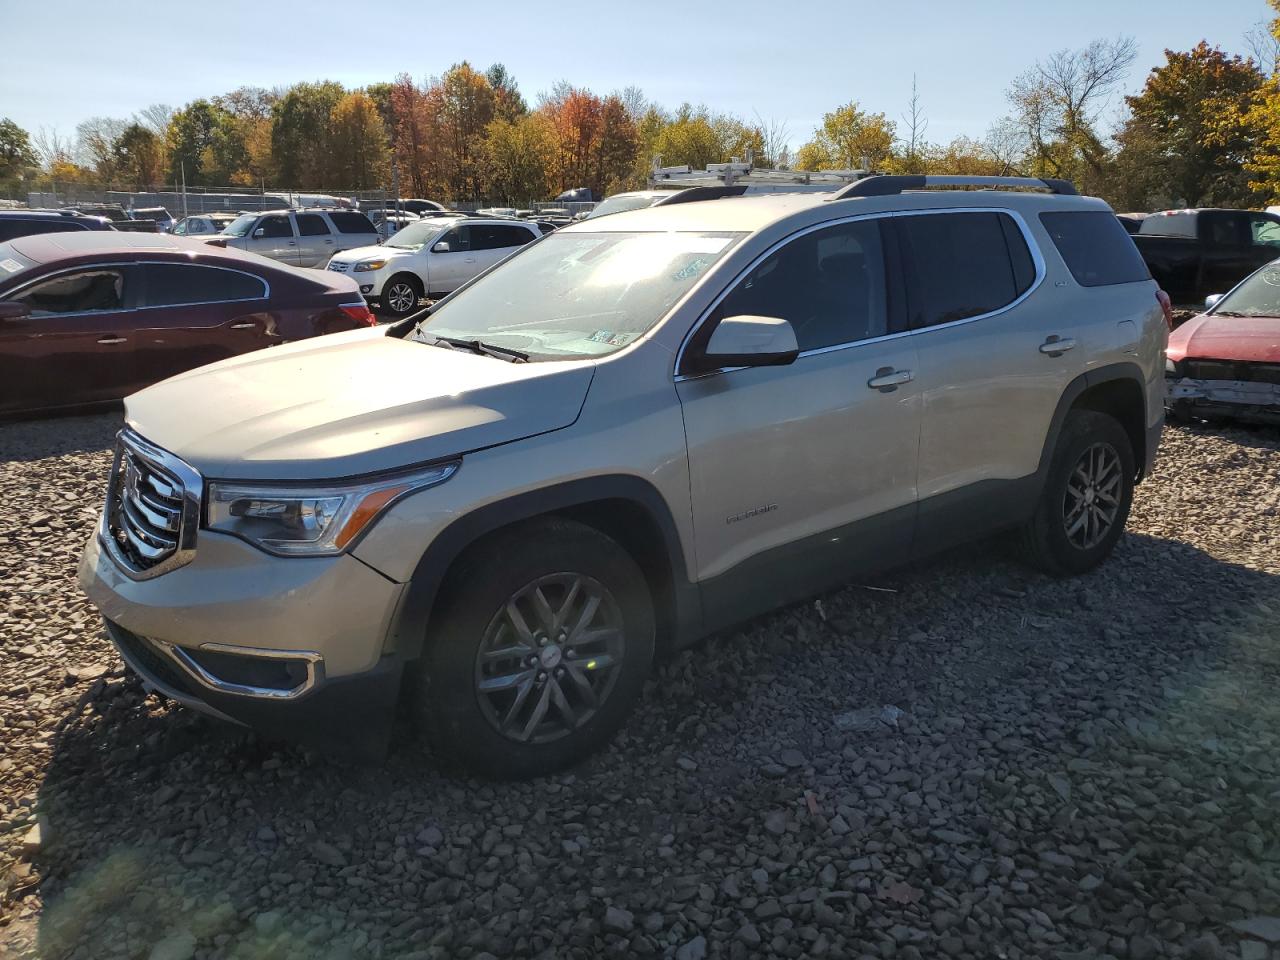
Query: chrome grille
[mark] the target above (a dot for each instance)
(340, 267)
(152, 510)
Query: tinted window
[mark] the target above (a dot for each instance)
(312, 225)
(13, 227)
(828, 284)
(1169, 225)
(349, 222)
(1096, 249)
(275, 226)
(498, 236)
(1024, 268)
(76, 292)
(458, 239)
(170, 284)
(961, 266)
(1227, 229)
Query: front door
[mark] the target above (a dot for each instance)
(77, 344)
(274, 237)
(450, 269)
(803, 476)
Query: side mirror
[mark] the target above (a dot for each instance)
(749, 341)
(441, 247)
(260, 232)
(1212, 299)
(13, 310)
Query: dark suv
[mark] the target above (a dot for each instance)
(23, 223)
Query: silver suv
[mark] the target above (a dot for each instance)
(635, 431)
(302, 238)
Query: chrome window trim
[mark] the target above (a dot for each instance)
(192, 500)
(312, 660)
(1037, 258)
(266, 286)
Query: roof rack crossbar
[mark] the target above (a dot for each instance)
(883, 186)
(693, 194)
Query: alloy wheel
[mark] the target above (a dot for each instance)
(1092, 500)
(550, 658)
(402, 298)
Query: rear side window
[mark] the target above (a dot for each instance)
(173, 284)
(1096, 249)
(312, 225)
(963, 265)
(349, 222)
(498, 236)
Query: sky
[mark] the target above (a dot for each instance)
(781, 63)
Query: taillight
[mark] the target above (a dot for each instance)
(1166, 306)
(360, 313)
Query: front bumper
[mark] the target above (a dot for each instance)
(293, 646)
(1254, 401)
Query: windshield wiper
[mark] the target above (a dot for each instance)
(480, 347)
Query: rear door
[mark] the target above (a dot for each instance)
(77, 344)
(274, 237)
(491, 242)
(1227, 244)
(988, 390)
(316, 242)
(190, 314)
(353, 230)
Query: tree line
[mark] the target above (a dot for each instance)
(1204, 129)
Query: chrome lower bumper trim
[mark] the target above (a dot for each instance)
(312, 661)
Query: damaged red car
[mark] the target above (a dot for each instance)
(1225, 362)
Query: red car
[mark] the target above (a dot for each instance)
(89, 317)
(1225, 362)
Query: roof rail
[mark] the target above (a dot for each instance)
(694, 194)
(884, 186)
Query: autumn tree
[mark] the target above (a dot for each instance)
(95, 144)
(413, 120)
(461, 104)
(521, 154)
(508, 104)
(358, 143)
(1188, 129)
(849, 139)
(1263, 119)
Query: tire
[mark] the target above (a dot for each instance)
(401, 295)
(1056, 538)
(493, 729)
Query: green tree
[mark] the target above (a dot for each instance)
(191, 134)
(1187, 137)
(139, 156)
(849, 139)
(521, 155)
(508, 104)
(300, 133)
(17, 156)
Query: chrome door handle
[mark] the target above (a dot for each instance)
(329, 241)
(469, 260)
(1056, 346)
(888, 379)
(292, 243)
(112, 340)
(244, 326)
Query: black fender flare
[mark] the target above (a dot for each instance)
(408, 631)
(1074, 390)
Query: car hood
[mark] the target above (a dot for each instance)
(351, 404)
(376, 251)
(1209, 336)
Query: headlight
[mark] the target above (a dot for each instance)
(310, 521)
(367, 265)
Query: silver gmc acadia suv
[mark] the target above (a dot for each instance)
(632, 432)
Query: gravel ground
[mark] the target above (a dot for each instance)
(1081, 768)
